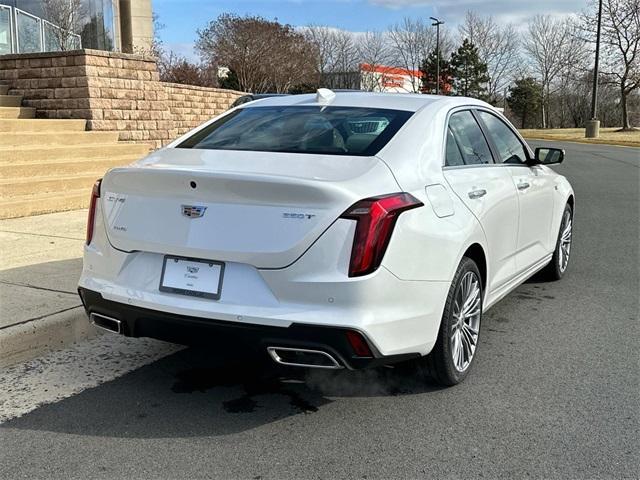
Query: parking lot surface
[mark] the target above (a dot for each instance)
(554, 392)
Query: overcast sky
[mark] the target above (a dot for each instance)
(182, 17)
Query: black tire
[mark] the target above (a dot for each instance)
(554, 269)
(440, 362)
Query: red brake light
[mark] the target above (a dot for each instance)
(95, 195)
(376, 218)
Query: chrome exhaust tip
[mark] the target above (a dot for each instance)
(301, 357)
(112, 325)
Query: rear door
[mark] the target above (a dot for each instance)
(486, 189)
(534, 185)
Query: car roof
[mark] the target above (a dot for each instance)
(396, 101)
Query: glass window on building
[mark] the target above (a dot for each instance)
(98, 27)
(6, 37)
(36, 29)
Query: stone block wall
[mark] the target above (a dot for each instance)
(191, 106)
(113, 92)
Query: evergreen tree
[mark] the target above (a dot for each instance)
(469, 72)
(525, 99)
(429, 69)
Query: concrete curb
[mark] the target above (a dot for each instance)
(23, 342)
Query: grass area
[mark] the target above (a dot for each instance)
(607, 136)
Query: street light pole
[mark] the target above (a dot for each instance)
(593, 125)
(437, 24)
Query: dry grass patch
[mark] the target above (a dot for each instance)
(607, 136)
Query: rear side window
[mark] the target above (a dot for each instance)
(470, 139)
(302, 129)
(509, 146)
(454, 156)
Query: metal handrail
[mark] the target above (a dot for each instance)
(42, 24)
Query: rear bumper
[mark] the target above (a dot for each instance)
(142, 322)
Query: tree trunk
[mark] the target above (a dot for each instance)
(625, 113)
(547, 118)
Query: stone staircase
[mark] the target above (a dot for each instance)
(49, 165)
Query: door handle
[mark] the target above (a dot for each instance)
(473, 194)
(523, 185)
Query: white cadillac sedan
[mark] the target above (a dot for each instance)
(335, 230)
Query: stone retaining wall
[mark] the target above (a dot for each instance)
(191, 106)
(113, 92)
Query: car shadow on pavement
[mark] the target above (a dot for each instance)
(198, 392)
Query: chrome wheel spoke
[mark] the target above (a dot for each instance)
(467, 342)
(466, 350)
(471, 300)
(472, 332)
(473, 314)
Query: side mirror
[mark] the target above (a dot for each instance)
(548, 156)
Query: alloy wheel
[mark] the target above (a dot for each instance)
(467, 310)
(564, 247)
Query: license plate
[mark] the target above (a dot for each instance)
(193, 277)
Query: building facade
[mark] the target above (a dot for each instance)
(384, 78)
(27, 26)
(375, 78)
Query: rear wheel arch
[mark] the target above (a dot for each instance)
(476, 253)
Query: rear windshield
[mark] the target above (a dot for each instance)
(323, 130)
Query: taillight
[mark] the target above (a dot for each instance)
(95, 195)
(376, 218)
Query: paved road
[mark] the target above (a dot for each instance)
(554, 393)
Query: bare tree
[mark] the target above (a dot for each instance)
(177, 69)
(264, 55)
(346, 52)
(291, 61)
(498, 47)
(411, 41)
(65, 15)
(322, 39)
(373, 51)
(545, 45)
(336, 55)
(575, 53)
(620, 47)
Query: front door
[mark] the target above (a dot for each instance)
(534, 185)
(487, 190)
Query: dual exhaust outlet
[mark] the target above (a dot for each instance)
(293, 357)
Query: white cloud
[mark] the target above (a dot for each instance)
(514, 11)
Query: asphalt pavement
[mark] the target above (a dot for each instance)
(554, 393)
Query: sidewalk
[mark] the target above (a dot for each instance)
(40, 263)
(48, 349)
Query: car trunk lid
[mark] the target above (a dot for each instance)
(261, 208)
